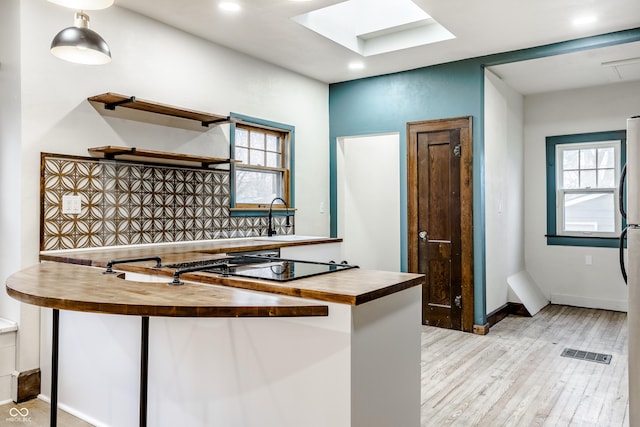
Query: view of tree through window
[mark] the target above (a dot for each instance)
(586, 182)
(262, 174)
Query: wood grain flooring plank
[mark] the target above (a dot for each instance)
(515, 376)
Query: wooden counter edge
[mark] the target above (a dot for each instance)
(314, 294)
(370, 296)
(226, 310)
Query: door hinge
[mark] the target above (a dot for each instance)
(458, 301)
(457, 150)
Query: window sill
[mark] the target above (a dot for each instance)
(598, 242)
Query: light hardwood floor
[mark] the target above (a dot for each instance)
(515, 376)
(35, 413)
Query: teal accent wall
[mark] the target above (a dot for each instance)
(386, 103)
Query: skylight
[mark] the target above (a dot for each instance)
(372, 27)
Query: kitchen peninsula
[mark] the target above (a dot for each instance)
(339, 349)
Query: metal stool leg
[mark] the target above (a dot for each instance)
(144, 371)
(54, 368)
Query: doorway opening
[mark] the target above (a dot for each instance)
(368, 177)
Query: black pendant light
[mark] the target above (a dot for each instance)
(80, 44)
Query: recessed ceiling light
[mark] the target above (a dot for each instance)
(356, 65)
(229, 6)
(584, 20)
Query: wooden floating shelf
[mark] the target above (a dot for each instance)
(152, 156)
(113, 100)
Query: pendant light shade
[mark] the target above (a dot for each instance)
(84, 4)
(80, 44)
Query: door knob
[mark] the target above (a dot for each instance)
(423, 235)
(458, 301)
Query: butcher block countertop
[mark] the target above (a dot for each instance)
(75, 281)
(80, 288)
(354, 286)
(100, 257)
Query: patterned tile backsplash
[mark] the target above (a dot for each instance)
(129, 203)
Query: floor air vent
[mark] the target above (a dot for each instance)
(586, 355)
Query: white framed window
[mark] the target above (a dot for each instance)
(263, 172)
(587, 176)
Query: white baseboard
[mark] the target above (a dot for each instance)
(578, 301)
(7, 325)
(73, 412)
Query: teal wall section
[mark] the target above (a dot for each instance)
(386, 103)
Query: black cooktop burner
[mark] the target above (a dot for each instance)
(228, 260)
(190, 264)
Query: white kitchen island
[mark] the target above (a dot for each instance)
(357, 366)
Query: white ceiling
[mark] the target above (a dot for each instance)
(613, 64)
(264, 29)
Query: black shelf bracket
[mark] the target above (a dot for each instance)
(112, 105)
(112, 156)
(205, 165)
(211, 122)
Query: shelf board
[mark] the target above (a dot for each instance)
(112, 101)
(153, 156)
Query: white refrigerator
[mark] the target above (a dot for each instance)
(633, 263)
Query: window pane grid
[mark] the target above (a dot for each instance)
(588, 168)
(587, 177)
(264, 149)
(242, 137)
(261, 175)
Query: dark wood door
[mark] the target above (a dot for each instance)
(440, 231)
(439, 227)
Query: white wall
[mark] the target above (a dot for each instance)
(9, 150)
(11, 191)
(151, 61)
(561, 271)
(504, 188)
(156, 62)
(369, 200)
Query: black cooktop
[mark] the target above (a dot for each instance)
(284, 270)
(257, 267)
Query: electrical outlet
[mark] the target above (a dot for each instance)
(71, 205)
(588, 260)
